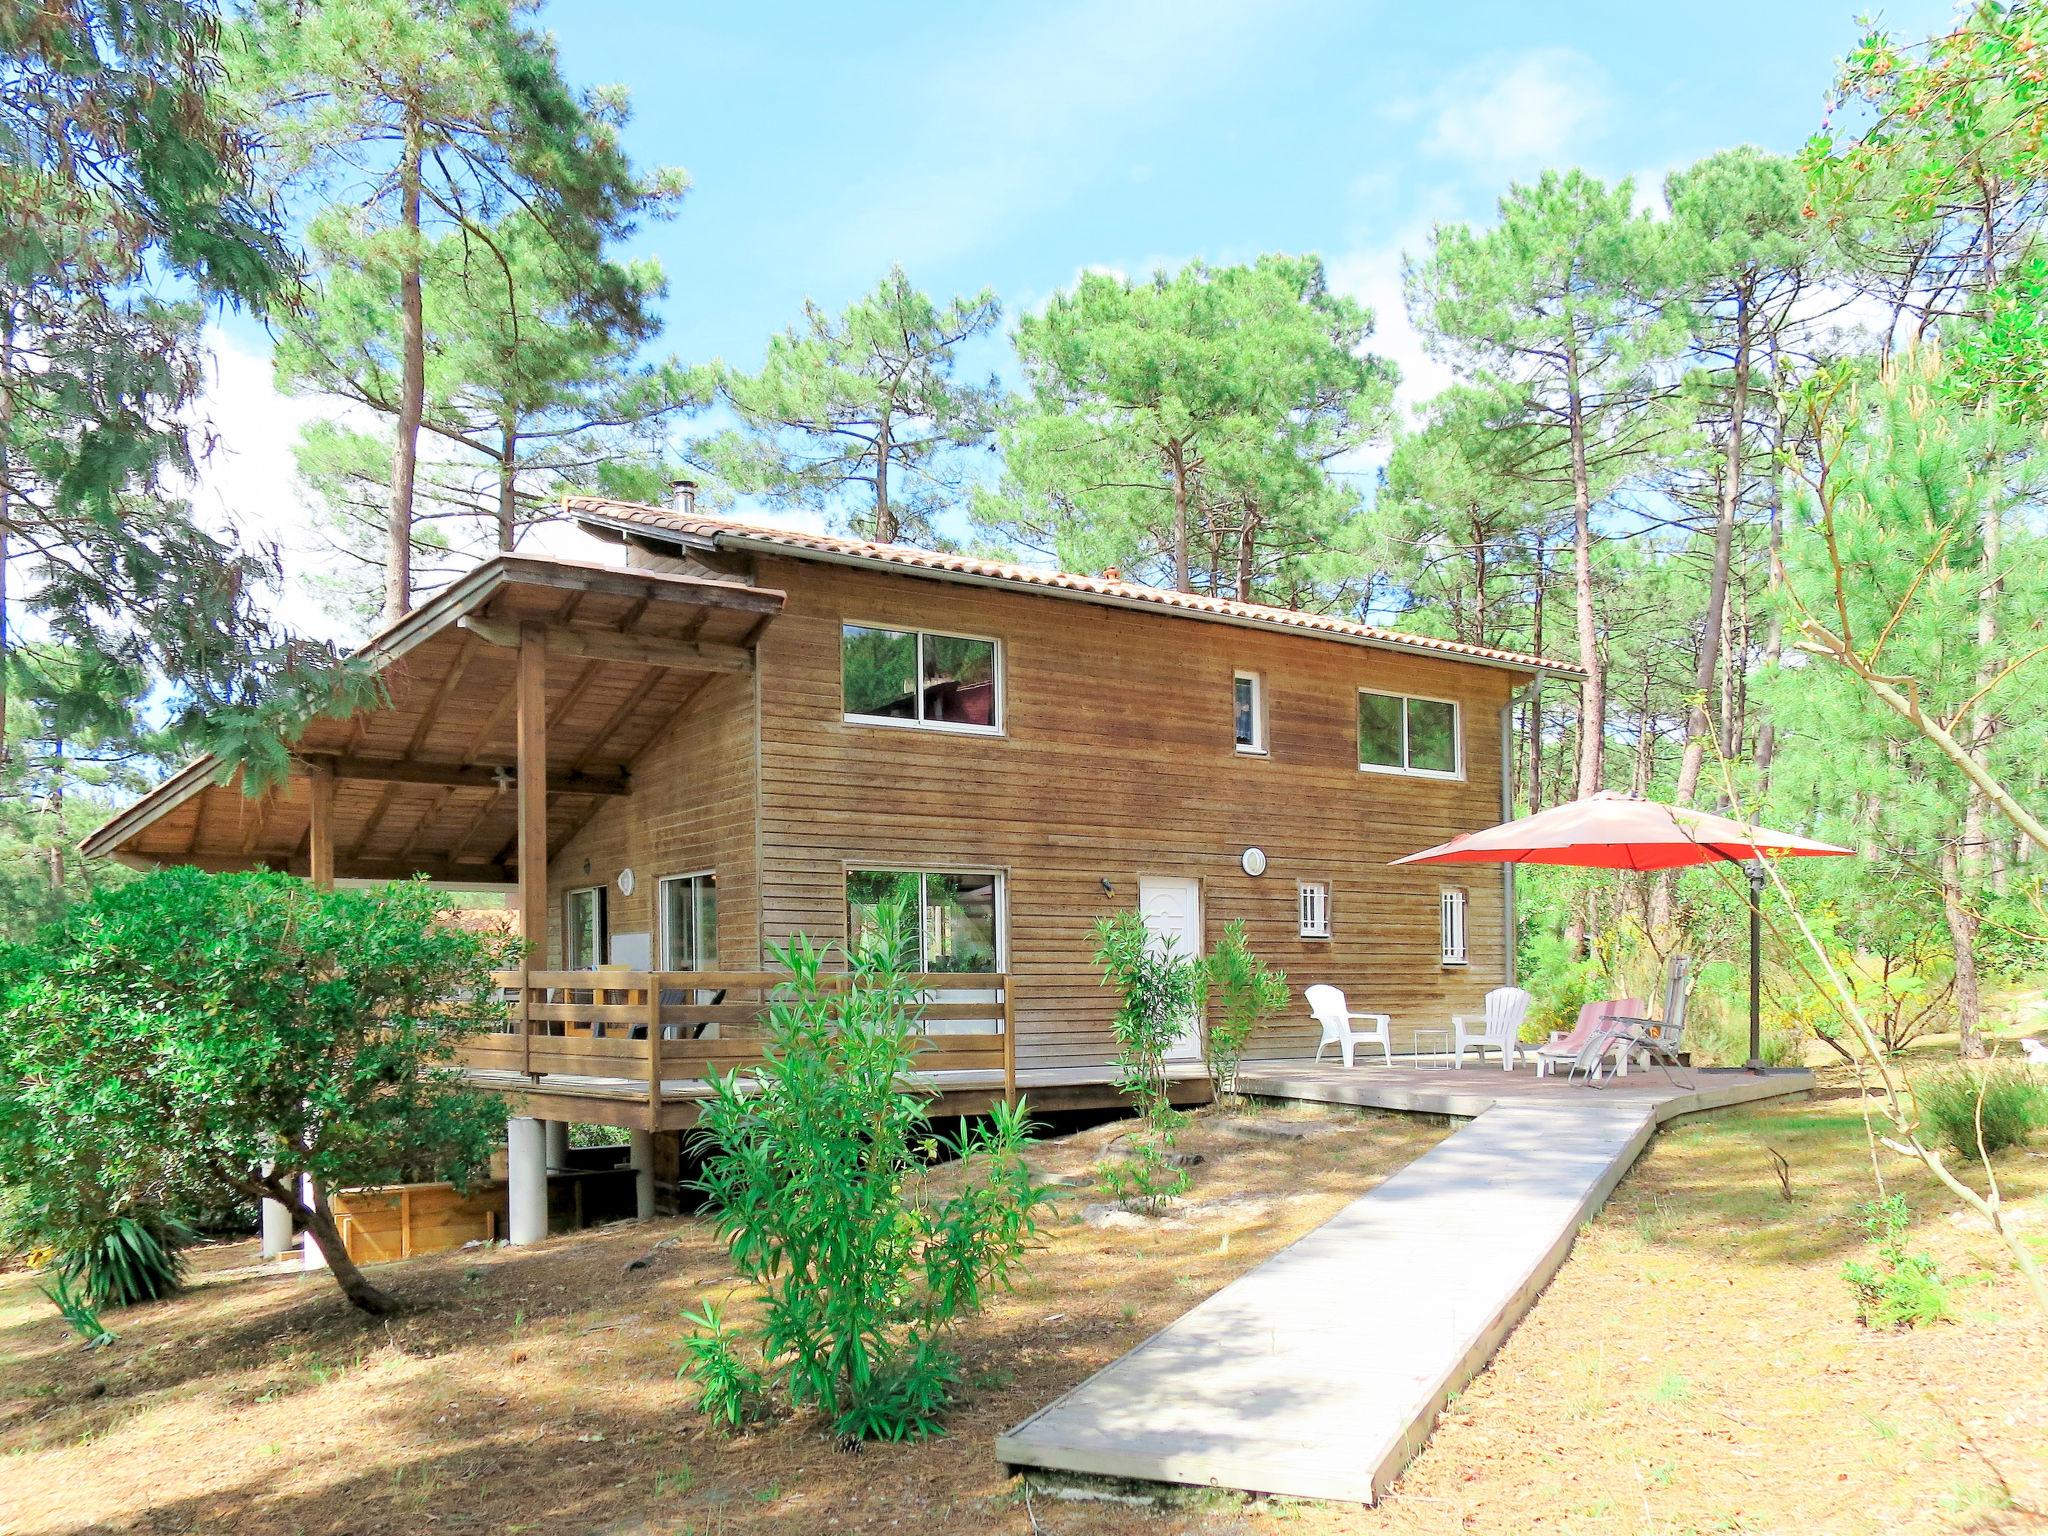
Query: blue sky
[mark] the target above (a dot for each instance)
(1015, 146)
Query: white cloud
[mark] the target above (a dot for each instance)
(1371, 274)
(1512, 114)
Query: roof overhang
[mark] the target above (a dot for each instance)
(424, 778)
(727, 541)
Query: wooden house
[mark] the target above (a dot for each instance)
(743, 734)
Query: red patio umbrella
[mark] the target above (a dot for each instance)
(1616, 831)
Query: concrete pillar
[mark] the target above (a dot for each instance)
(558, 1144)
(526, 1177)
(641, 1160)
(310, 1256)
(277, 1227)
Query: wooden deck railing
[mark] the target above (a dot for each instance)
(649, 1027)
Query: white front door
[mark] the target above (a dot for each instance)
(1173, 912)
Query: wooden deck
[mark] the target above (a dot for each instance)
(1320, 1373)
(624, 1101)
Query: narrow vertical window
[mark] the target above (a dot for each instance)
(1249, 711)
(583, 928)
(689, 923)
(1315, 909)
(1451, 916)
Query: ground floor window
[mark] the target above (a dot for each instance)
(688, 906)
(1315, 909)
(583, 928)
(954, 919)
(1452, 918)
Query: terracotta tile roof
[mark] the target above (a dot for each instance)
(718, 532)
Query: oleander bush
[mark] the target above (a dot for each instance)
(814, 1162)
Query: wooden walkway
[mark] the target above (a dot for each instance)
(1320, 1373)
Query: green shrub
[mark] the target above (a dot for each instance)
(1143, 1181)
(1902, 1289)
(1244, 992)
(76, 1311)
(809, 1156)
(132, 1259)
(1162, 992)
(2006, 1102)
(731, 1392)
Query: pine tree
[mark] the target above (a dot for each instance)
(862, 413)
(416, 127)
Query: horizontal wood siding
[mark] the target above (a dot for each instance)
(1117, 761)
(691, 810)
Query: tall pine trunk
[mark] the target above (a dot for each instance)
(1962, 933)
(1177, 462)
(412, 390)
(508, 487)
(885, 513)
(1714, 620)
(1774, 638)
(1536, 691)
(1593, 692)
(6, 499)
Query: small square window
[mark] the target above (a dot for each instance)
(1249, 712)
(1451, 918)
(1315, 909)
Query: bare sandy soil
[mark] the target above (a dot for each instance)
(1696, 1367)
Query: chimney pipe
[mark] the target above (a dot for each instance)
(683, 496)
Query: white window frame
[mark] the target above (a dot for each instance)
(1000, 876)
(1312, 898)
(1256, 747)
(603, 924)
(661, 917)
(949, 727)
(1453, 910)
(1457, 737)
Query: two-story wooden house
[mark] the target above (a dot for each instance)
(744, 734)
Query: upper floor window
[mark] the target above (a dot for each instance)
(914, 677)
(1451, 919)
(689, 923)
(1401, 734)
(1249, 712)
(583, 928)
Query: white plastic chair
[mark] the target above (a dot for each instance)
(1500, 1029)
(1331, 1011)
(1563, 1048)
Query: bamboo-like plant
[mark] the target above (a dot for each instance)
(1244, 992)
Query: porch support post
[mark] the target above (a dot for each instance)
(526, 1179)
(277, 1227)
(531, 689)
(557, 1143)
(641, 1160)
(320, 828)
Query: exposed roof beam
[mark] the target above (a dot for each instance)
(465, 775)
(609, 645)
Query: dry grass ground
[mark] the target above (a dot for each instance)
(1696, 1367)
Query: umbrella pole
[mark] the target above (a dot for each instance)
(1756, 974)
